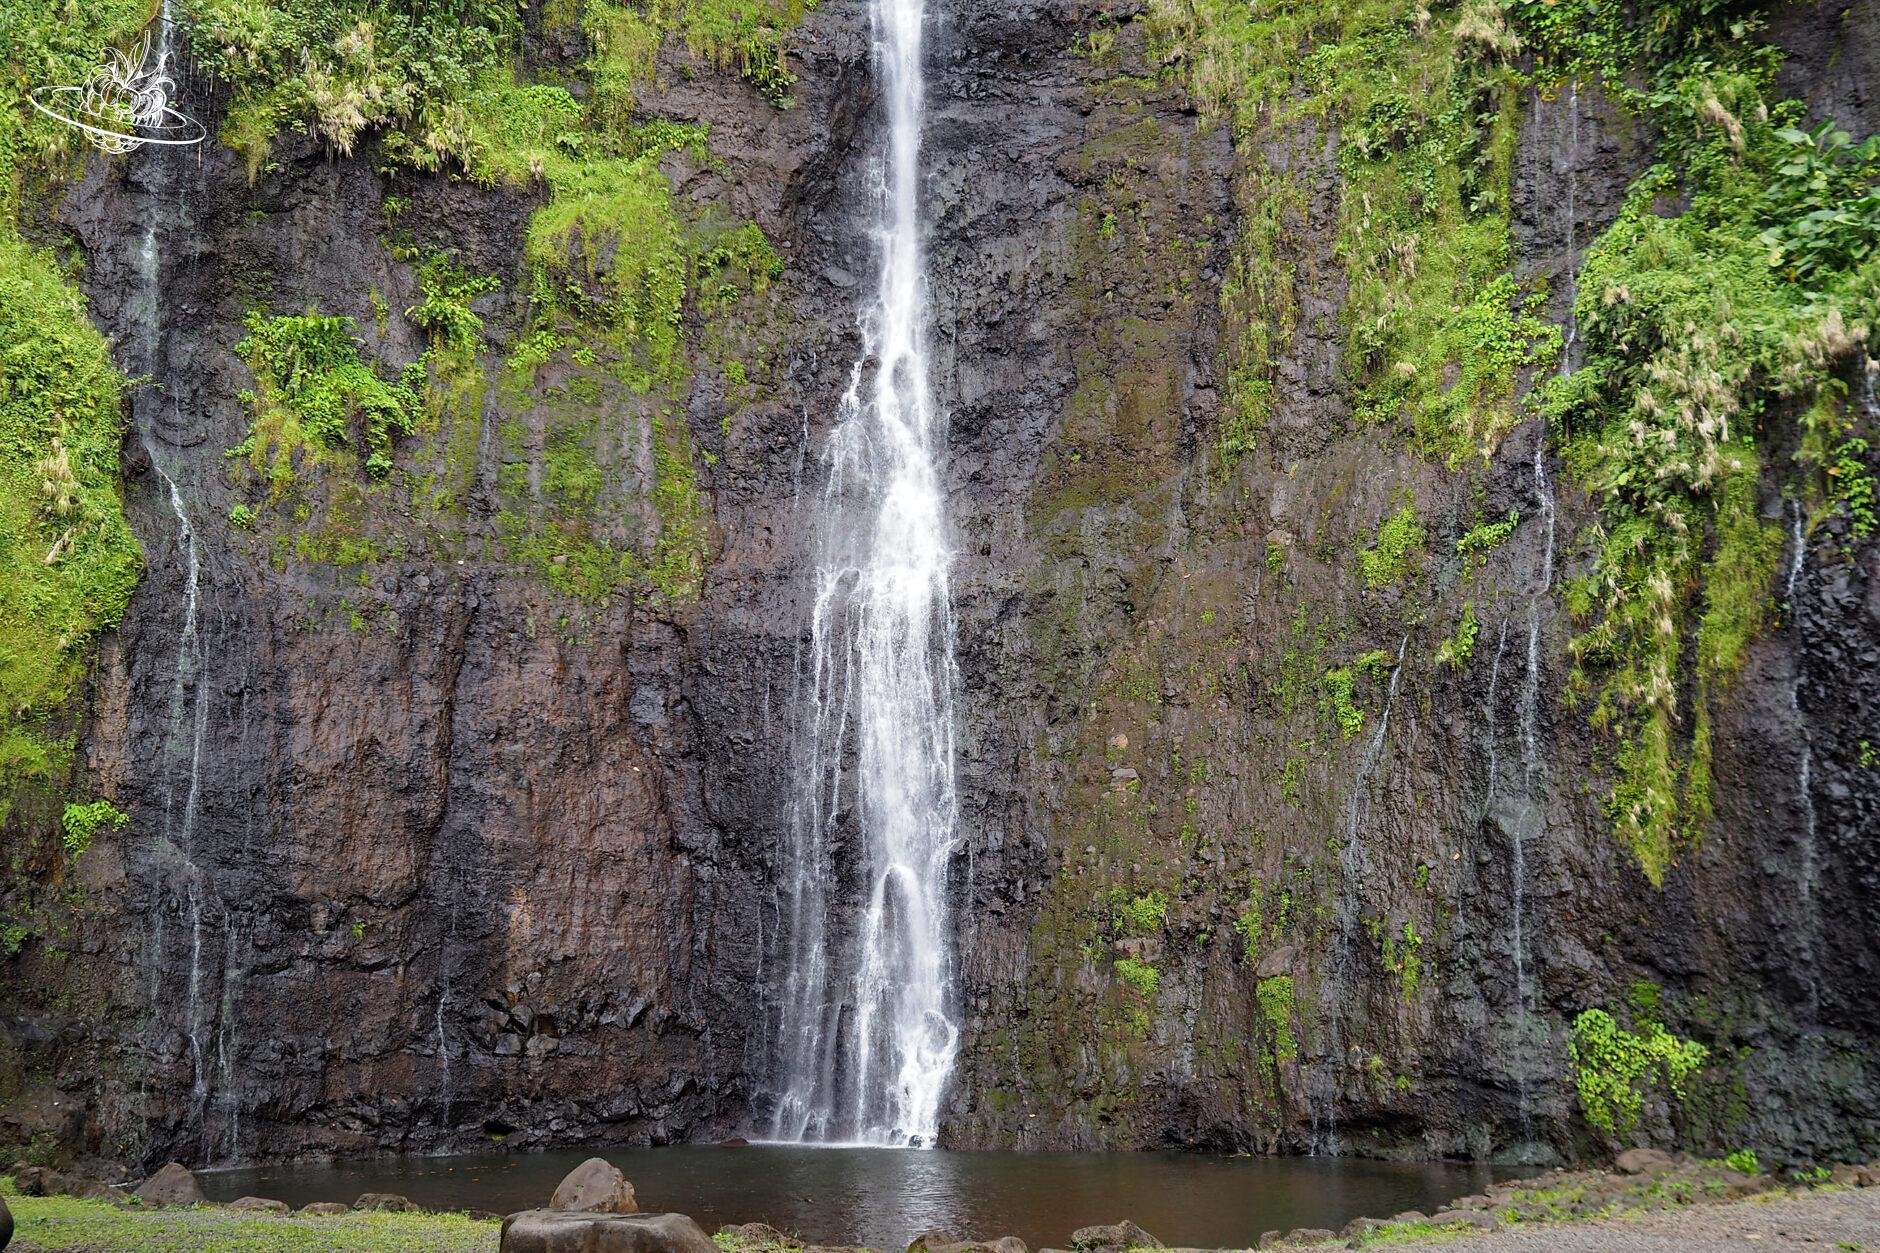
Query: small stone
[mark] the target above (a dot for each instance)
(1310, 1235)
(390, 1202)
(1411, 1216)
(1268, 1240)
(258, 1205)
(596, 1186)
(324, 1209)
(172, 1185)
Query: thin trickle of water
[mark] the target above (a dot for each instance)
(1808, 874)
(1354, 867)
(867, 1035)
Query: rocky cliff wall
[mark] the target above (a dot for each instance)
(432, 843)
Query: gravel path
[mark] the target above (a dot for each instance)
(1814, 1222)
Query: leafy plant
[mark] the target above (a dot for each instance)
(82, 824)
(1399, 544)
(1614, 1067)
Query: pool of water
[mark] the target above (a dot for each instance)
(884, 1197)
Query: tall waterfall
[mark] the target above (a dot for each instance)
(867, 1035)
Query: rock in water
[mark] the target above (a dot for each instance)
(391, 1202)
(173, 1185)
(1118, 1236)
(324, 1209)
(558, 1231)
(594, 1187)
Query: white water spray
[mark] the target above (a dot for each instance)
(868, 1036)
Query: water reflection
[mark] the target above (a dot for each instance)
(884, 1197)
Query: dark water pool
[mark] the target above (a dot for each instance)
(884, 1197)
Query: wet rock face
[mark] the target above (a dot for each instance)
(465, 876)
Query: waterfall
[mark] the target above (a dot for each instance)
(181, 758)
(867, 1035)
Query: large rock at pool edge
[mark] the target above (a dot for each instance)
(559, 1231)
(595, 1187)
(173, 1185)
(1113, 1237)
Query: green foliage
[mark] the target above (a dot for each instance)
(1614, 1067)
(314, 396)
(69, 556)
(1404, 958)
(1398, 548)
(1340, 695)
(1145, 913)
(1275, 995)
(1146, 979)
(435, 75)
(1459, 648)
(82, 824)
(1425, 104)
(1484, 537)
(1744, 1161)
(1699, 337)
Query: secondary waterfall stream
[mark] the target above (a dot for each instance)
(868, 1035)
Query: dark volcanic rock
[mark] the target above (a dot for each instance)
(596, 1186)
(171, 1185)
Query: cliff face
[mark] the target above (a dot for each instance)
(430, 845)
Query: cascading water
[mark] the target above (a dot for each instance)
(181, 759)
(867, 1035)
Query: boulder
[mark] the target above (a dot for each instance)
(390, 1202)
(258, 1205)
(932, 1241)
(559, 1231)
(1643, 1162)
(1124, 1235)
(594, 1187)
(324, 1209)
(1269, 1239)
(172, 1185)
(757, 1236)
(1310, 1235)
(38, 1180)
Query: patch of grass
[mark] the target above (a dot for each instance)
(63, 1223)
(1275, 995)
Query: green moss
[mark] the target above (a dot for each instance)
(1144, 914)
(1613, 1068)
